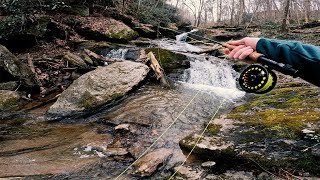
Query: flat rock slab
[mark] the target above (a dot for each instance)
(99, 87)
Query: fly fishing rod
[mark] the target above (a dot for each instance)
(257, 78)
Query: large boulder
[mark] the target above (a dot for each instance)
(10, 64)
(99, 87)
(101, 28)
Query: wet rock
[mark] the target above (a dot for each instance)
(116, 151)
(28, 152)
(187, 173)
(132, 54)
(75, 60)
(208, 164)
(17, 69)
(149, 163)
(10, 86)
(99, 87)
(8, 99)
(208, 146)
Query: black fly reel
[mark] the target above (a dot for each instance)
(257, 79)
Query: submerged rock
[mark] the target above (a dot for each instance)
(17, 69)
(8, 99)
(149, 163)
(99, 87)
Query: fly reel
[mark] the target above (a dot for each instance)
(257, 79)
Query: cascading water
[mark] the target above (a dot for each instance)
(209, 73)
(117, 53)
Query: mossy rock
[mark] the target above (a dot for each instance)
(123, 35)
(208, 147)
(286, 110)
(169, 60)
(75, 60)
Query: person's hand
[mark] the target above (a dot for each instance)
(244, 47)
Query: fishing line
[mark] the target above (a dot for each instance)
(175, 120)
(198, 140)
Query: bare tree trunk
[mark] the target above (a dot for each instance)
(200, 12)
(306, 4)
(219, 7)
(285, 16)
(241, 12)
(232, 13)
(276, 8)
(269, 8)
(297, 10)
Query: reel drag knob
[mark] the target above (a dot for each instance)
(257, 79)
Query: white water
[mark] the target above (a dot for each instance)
(183, 37)
(117, 53)
(206, 73)
(214, 76)
(176, 46)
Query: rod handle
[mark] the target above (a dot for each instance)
(252, 58)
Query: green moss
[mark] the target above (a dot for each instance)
(168, 59)
(123, 35)
(285, 111)
(214, 129)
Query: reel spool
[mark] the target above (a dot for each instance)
(257, 79)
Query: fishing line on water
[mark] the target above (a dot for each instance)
(164, 132)
(198, 140)
(169, 127)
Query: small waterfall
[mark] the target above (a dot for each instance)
(183, 37)
(212, 75)
(117, 53)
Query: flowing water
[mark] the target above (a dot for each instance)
(148, 111)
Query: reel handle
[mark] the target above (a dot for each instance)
(252, 58)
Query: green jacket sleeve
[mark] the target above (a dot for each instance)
(303, 57)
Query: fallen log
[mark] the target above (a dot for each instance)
(154, 64)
